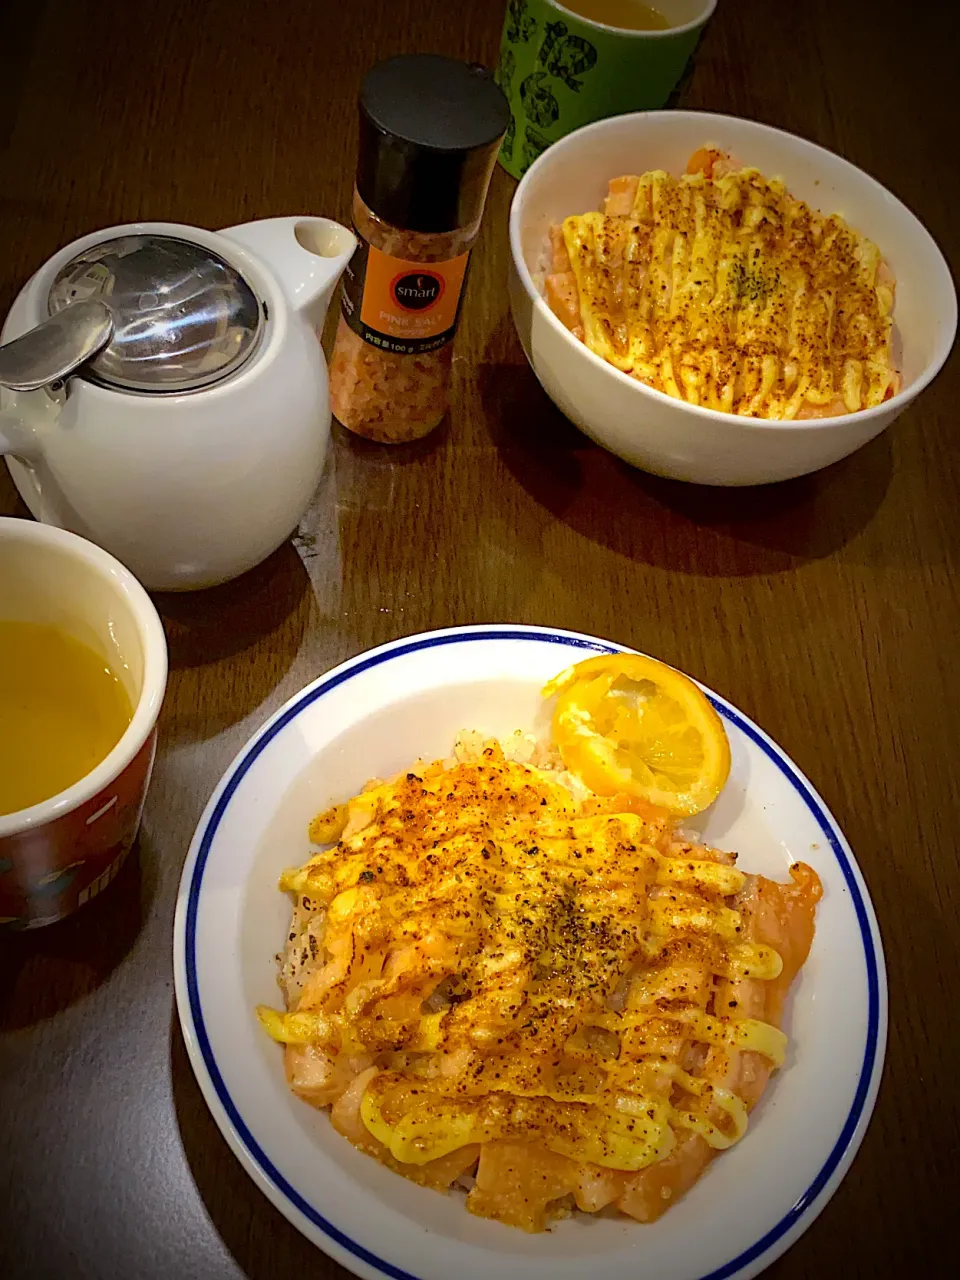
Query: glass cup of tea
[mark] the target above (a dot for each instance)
(563, 65)
(83, 669)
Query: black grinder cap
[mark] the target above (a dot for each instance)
(430, 128)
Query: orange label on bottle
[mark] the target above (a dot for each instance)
(401, 306)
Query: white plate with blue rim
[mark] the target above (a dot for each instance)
(372, 716)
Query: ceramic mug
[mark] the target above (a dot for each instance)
(560, 71)
(57, 855)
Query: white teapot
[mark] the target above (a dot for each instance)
(163, 391)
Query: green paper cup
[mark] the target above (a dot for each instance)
(560, 71)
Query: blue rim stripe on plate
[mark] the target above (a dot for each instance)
(790, 1219)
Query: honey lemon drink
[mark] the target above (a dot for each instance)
(629, 15)
(83, 667)
(62, 711)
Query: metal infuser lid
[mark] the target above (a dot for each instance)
(143, 313)
(183, 318)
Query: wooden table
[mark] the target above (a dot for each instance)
(827, 608)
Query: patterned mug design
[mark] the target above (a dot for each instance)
(519, 24)
(565, 56)
(560, 56)
(47, 872)
(559, 72)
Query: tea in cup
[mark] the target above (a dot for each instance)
(83, 667)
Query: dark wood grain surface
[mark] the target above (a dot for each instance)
(827, 608)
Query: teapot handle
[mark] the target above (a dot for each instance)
(17, 436)
(307, 255)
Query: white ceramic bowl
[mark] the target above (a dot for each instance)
(650, 429)
(374, 715)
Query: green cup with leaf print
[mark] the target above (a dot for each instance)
(560, 70)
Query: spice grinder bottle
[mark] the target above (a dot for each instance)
(430, 128)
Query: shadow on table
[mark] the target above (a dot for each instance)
(231, 645)
(47, 970)
(261, 1240)
(683, 527)
(207, 626)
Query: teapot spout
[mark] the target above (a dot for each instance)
(307, 255)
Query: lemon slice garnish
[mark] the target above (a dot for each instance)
(625, 723)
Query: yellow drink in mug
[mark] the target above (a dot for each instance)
(83, 665)
(563, 65)
(62, 710)
(628, 15)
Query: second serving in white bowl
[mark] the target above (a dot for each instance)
(670, 437)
